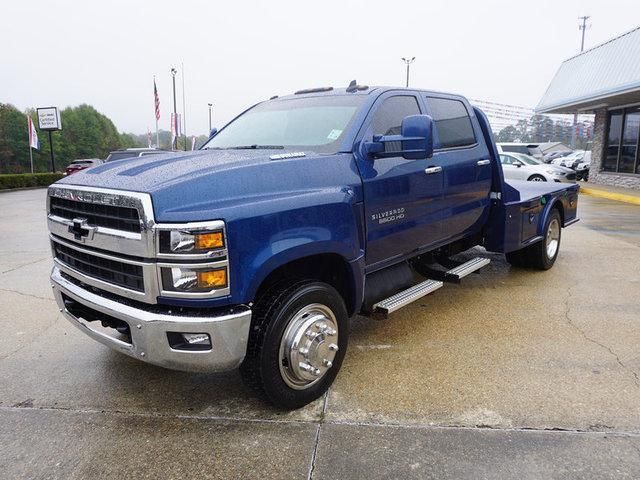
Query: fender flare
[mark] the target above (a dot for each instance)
(355, 267)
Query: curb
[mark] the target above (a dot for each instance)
(619, 197)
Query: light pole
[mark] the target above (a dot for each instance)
(408, 61)
(174, 140)
(210, 105)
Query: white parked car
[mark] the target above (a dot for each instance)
(518, 166)
(531, 149)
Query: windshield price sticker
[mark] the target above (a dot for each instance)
(334, 134)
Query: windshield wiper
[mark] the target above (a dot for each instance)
(257, 147)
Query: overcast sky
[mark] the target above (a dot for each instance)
(236, 53)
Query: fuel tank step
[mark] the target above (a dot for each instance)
(399, 300)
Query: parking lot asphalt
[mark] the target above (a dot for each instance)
(513, 374)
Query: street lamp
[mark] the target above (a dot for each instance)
(210, 105)
(175, 110)
(408, 61)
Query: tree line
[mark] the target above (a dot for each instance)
(540, 128)
(86, 133)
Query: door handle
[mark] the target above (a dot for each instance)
(484, 162)
(432, 170)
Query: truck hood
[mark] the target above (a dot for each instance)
(153, 173)
(207, 184)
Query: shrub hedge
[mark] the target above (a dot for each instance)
(24, 180)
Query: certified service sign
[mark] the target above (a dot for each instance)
(49, 118)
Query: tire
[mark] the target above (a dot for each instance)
(536, 178)
(306, 314)
(541, 255)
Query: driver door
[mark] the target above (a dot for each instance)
(402, 197)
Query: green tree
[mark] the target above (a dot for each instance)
(507, 134)
(14, 139)
(86, 133)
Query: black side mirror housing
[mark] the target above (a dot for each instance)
(415, 140)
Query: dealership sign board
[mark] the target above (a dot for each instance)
(49, 118)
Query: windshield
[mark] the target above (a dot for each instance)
(528, 159)
(317, 123)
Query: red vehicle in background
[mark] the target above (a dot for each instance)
(81, 164)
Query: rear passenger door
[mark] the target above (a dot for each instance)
(461, 150)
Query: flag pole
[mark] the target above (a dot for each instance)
(154, 114)
(184, 110)
(30, 141)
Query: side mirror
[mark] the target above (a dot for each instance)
(213, 132)
(517, 163)
(415, 140)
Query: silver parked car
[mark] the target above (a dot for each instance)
(518, 166)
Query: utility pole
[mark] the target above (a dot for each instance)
(583, 28)
(175, 111)
(408, 62)
(210, 127)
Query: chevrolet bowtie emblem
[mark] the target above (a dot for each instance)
(81, 231)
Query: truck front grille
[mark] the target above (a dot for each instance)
(111, 271)
(97, 215)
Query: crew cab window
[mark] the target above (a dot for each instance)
(452, 124)
(388, 117)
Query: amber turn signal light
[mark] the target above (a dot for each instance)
(212, 278)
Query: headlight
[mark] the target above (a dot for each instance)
(193, 259)
(194, 280)
(179, 241)
(554, 172)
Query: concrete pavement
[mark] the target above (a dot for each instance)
(513, 374)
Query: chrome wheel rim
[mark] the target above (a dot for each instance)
(537, 179)
(308, 346)
(553, 238)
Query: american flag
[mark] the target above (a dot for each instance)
(157, 99)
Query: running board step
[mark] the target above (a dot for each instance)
(467, 268)
(456, 272)
(399, 300)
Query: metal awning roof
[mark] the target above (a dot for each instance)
(605, 75)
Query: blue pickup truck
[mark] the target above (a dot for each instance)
(305, 210)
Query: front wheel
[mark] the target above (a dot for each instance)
(297, 342)
(536, 178)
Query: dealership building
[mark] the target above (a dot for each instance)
(605, 81)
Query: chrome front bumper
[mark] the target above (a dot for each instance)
(149, 341)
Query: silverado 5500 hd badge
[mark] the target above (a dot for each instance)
(388, 216)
